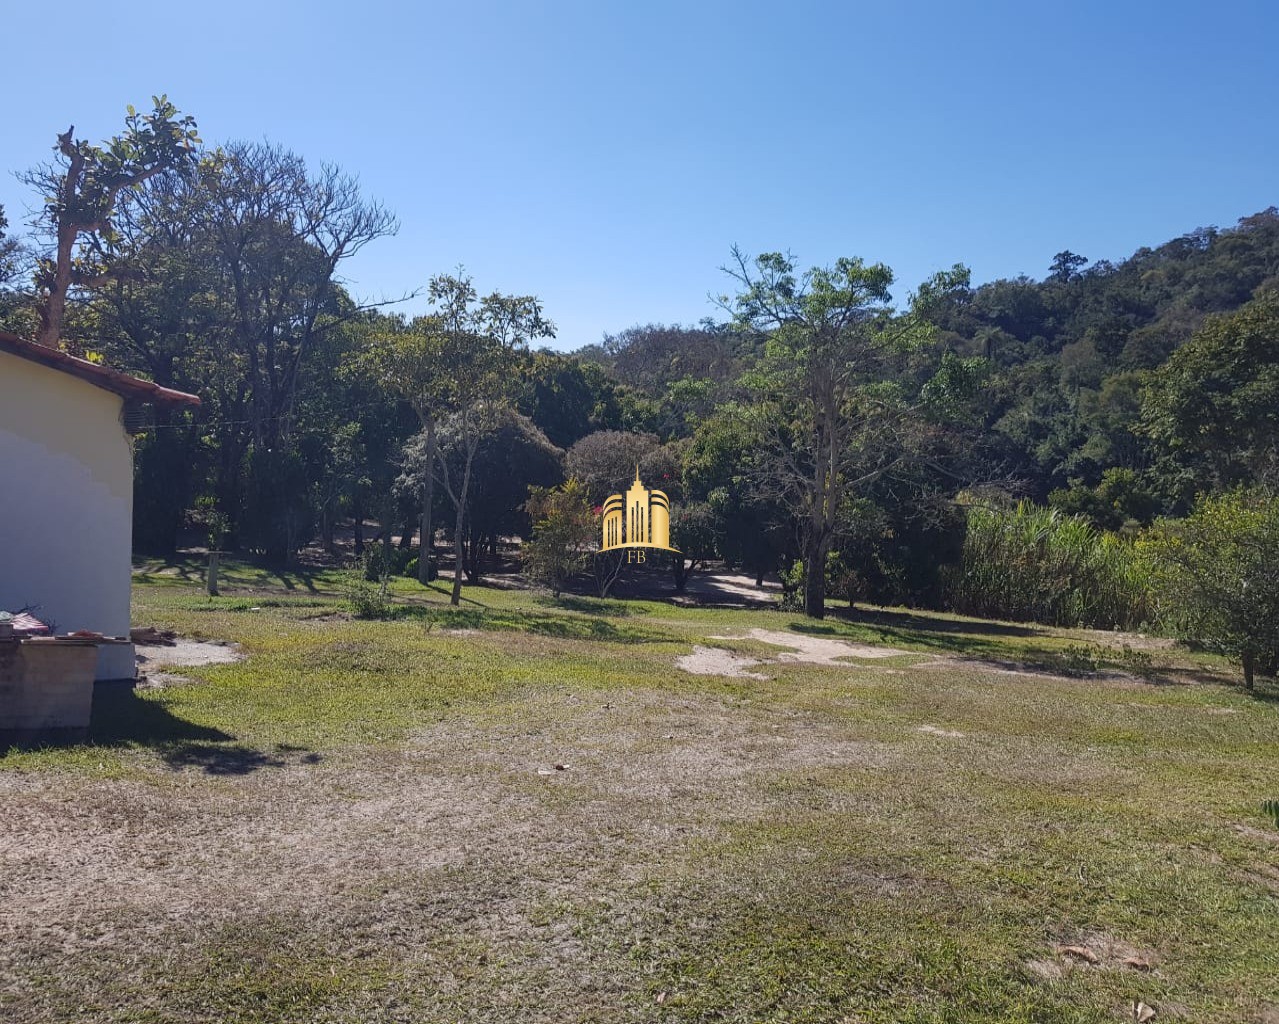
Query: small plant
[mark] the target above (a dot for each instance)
(217, 524)
(1079, 660)
(792, 588)
(367, 590)
(1136, 662)
(1271, 807)
(379, 561)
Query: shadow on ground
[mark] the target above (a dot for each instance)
(236, 575)
(593, 625)
(121, 718)
(922, 621)
(231, 758)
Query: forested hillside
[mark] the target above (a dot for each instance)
(817, 417)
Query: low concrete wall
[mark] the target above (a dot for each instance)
(46, 686)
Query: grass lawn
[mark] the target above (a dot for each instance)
(523, 810)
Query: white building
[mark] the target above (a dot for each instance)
(66, 491)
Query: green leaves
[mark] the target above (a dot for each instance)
(1213, 407)
(1219, 574)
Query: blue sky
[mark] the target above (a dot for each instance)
(605, 156)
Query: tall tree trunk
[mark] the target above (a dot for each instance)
(427, 552)
(388, 517)
(326, 529)
(211, 577)
(815, 579)
(1249, 668)
(456, 598)
(53, 308)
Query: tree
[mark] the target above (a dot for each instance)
(512, 456)
(1066, 265)
(227, 285)
(479, 341)
(605, 461)
(411, 364)
(565, 528)
(1211, 407)
(566, 397)
(693, 532)
(10, 253)
(721, 467)
(277, 236)
(829, 413)
(81, 191)
(1217, 574)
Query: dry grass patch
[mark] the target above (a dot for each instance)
(365, 822)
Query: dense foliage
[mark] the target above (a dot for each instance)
(1217, 574)
(1036, 564)
(817, 422)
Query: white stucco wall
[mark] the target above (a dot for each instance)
(66, 505)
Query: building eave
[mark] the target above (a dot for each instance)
(131, 388)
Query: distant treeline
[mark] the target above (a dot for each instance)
(812, 420)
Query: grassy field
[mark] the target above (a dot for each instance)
(523, 810)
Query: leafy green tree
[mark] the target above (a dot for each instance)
(1211, 408)
(1218, 576)
(565, 397)
(81, 190)
(721, 469)
(831, 415)
(480, 340)
(1066, 265)
(411, 363)
(1121, 498)
(565, 528)
(693, 530)
(512, 457)
(10, 254)
(232, 292)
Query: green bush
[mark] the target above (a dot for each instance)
(378, 561)
(1033, 564)
(792, 588)
(367, 588)
(1218, 577)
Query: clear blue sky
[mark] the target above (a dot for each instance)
(605, 156)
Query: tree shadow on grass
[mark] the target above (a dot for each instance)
(591, 606)
(923, 622)
(415, 598)
(230, 758)
(971, 644)
(122, 718)
(502, 620)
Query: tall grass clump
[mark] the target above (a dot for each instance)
(1034, 564)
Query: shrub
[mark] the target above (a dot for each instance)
(564, 527)
(378, 561)
(367, 590)
(1218, 576)
(792, 588)
(1034, 564)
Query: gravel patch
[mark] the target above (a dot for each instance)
(714, 661)
(814, 650)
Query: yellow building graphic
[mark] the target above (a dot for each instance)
(639, 519)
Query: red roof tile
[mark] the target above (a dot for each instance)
(95, 373)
